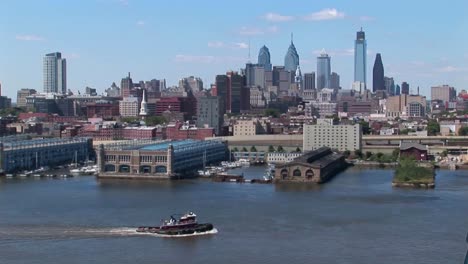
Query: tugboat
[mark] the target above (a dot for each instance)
(185, 225)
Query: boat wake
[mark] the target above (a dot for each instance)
(126, 231)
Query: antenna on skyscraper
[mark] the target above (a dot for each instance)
(292, 38)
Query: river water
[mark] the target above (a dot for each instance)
(356, 218)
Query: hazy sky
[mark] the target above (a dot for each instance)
(422, 42)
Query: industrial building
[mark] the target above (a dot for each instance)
(147, 159)
(315, 166)
(20, 153)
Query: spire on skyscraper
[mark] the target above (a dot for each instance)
(291, 60)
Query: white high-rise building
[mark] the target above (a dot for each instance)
(325, 134)
(55, 73)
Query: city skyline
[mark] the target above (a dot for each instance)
(101, 49)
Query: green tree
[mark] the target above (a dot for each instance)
(395, 154)
(281, 149)
(358, 153)
(253, 149)
(463, 131)
(365, 127)
(368, 154)
(298, 149)
(444, 153)
(379, 155)
(155, 120)
(433, 127)
(271, 149)
(235, 149)
(271, 112)
(129, 119)
(244, 149)
(346, 153)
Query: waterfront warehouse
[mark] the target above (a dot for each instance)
(18, 153)
(316, 166)
(159, 159)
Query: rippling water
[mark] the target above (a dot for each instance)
(356, 218)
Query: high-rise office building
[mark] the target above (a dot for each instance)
(264, 58)
(397, 90)
(360, 57)
(232, 91)
(21, 96)
(55, 73)
(210, 113)
(323, 70)
(126, 85)
(444, 93)
(309, 81)
(389, 86)
(378, 83)
(405, 88)
(335, 80)
(191, 84)
(255, 75)
(291, 60)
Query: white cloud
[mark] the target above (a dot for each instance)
(273, 17)
(448, 69)
(215, 44)
(256, 31)
(325, 14)
(123, 2)
(206, 59)
(241, 45)
(29, 38)
(220, 44)
(140, 23)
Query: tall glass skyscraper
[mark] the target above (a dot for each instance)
(378, 81)
(291, 60)
(323, 71)
(360, 57)
(264, 58)
(55, 73)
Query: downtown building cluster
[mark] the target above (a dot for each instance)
(234, 100)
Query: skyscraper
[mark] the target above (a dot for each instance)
(405, 88)
(232, 91)
(360, 57)
(323, 70)
(255, 75)
(389, 85)
(378, 82)
(335, 80)
(397, 90)
(291, 60)
(55, 73)
(309, 81)
(264, 58)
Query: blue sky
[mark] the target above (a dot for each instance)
(423, 43)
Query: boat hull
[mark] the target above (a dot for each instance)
(198, 228)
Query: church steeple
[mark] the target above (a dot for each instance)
(143, 107)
